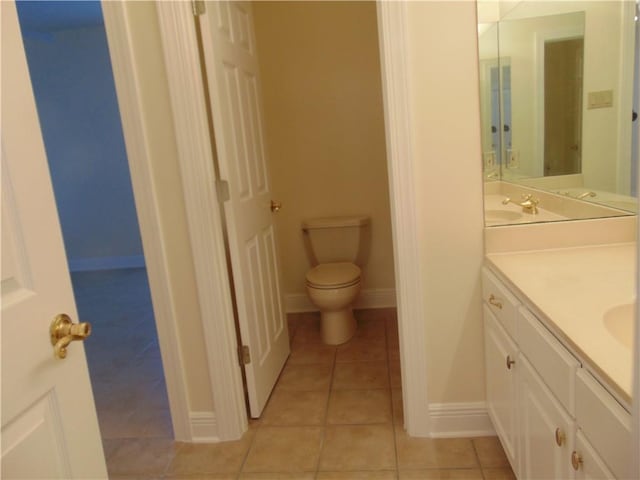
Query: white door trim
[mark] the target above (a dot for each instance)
(184, 71)
(392, 31)
(124, 64)
(205, 224)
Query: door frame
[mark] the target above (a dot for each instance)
(124, 66)
(180, 42)
(180, 45)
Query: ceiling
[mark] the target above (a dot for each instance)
(52, 15)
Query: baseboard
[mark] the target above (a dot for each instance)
(204, 427)
(105, 263)
(373, 298)
(449, 420)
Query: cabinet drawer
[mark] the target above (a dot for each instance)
(500, 301)
(553, 362)
(591, 466)
(604, 422)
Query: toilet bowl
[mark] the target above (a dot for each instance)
(332, 288)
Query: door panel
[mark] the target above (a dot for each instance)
(236, 105)
(49, 423)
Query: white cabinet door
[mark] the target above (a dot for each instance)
(546, 429)
(588, 463)
(236, 105)
(49, 424)
(500, 355)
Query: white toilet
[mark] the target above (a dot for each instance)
(337, 247)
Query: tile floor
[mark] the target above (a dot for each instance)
(335, 413)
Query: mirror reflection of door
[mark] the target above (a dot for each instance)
(563, 61)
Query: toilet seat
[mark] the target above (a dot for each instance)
(333, 275)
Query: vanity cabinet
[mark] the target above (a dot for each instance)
(500, 355)
(546, 429)
(554, 419)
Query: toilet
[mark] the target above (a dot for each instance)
(337, 248)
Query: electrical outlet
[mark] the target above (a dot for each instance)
(513, 158)
(489, 159)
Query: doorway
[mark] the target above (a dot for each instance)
(68, 58)
(563, 61)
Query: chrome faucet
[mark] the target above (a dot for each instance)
(529, 204)
(585, 195)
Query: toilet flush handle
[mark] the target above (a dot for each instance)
(275, 206)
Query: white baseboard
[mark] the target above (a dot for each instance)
(373, 298)
(105, 263)
(450, 420)
(204, 427)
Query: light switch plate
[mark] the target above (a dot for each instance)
(600, 99)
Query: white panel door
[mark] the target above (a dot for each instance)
(49, 424)
(236, 104)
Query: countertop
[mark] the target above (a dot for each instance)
(572, 289)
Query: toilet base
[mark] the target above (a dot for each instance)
(337, 327)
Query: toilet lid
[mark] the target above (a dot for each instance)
(333, 275)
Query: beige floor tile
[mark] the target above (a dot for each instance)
(394, 354)
(284, 449)
(395, 375)
(398, 408)
(420, 453)
(278, 476)
(312, 353)
(290, 407)
(361, 350)
(350, 407)
(305, 377)
(307, 333)
(358, 447)
(436, 474)
(371, 329)
(212, 458)
(382, 475)
(138, 456)
(504, 473)
(490, 452)
(201, 476)
(361, 375)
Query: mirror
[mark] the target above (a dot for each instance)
(557, 94)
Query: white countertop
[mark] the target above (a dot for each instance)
(573, 288)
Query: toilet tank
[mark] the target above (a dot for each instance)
(337, 239)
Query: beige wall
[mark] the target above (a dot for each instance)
(319, 63)
(443, 68)
(156, 111)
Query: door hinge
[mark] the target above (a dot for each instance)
(244, 354)
(222, 187)
(198, 7)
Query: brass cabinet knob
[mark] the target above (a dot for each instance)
(275, 206)
(63, 331)
(510, 362)
(576, 460)
(495, 302)
(560, 437)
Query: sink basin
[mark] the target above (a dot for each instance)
(619, 321)
(495, 216)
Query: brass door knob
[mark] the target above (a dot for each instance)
(275, 206)
(510, 362)
(63, 331)
(560, 436)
